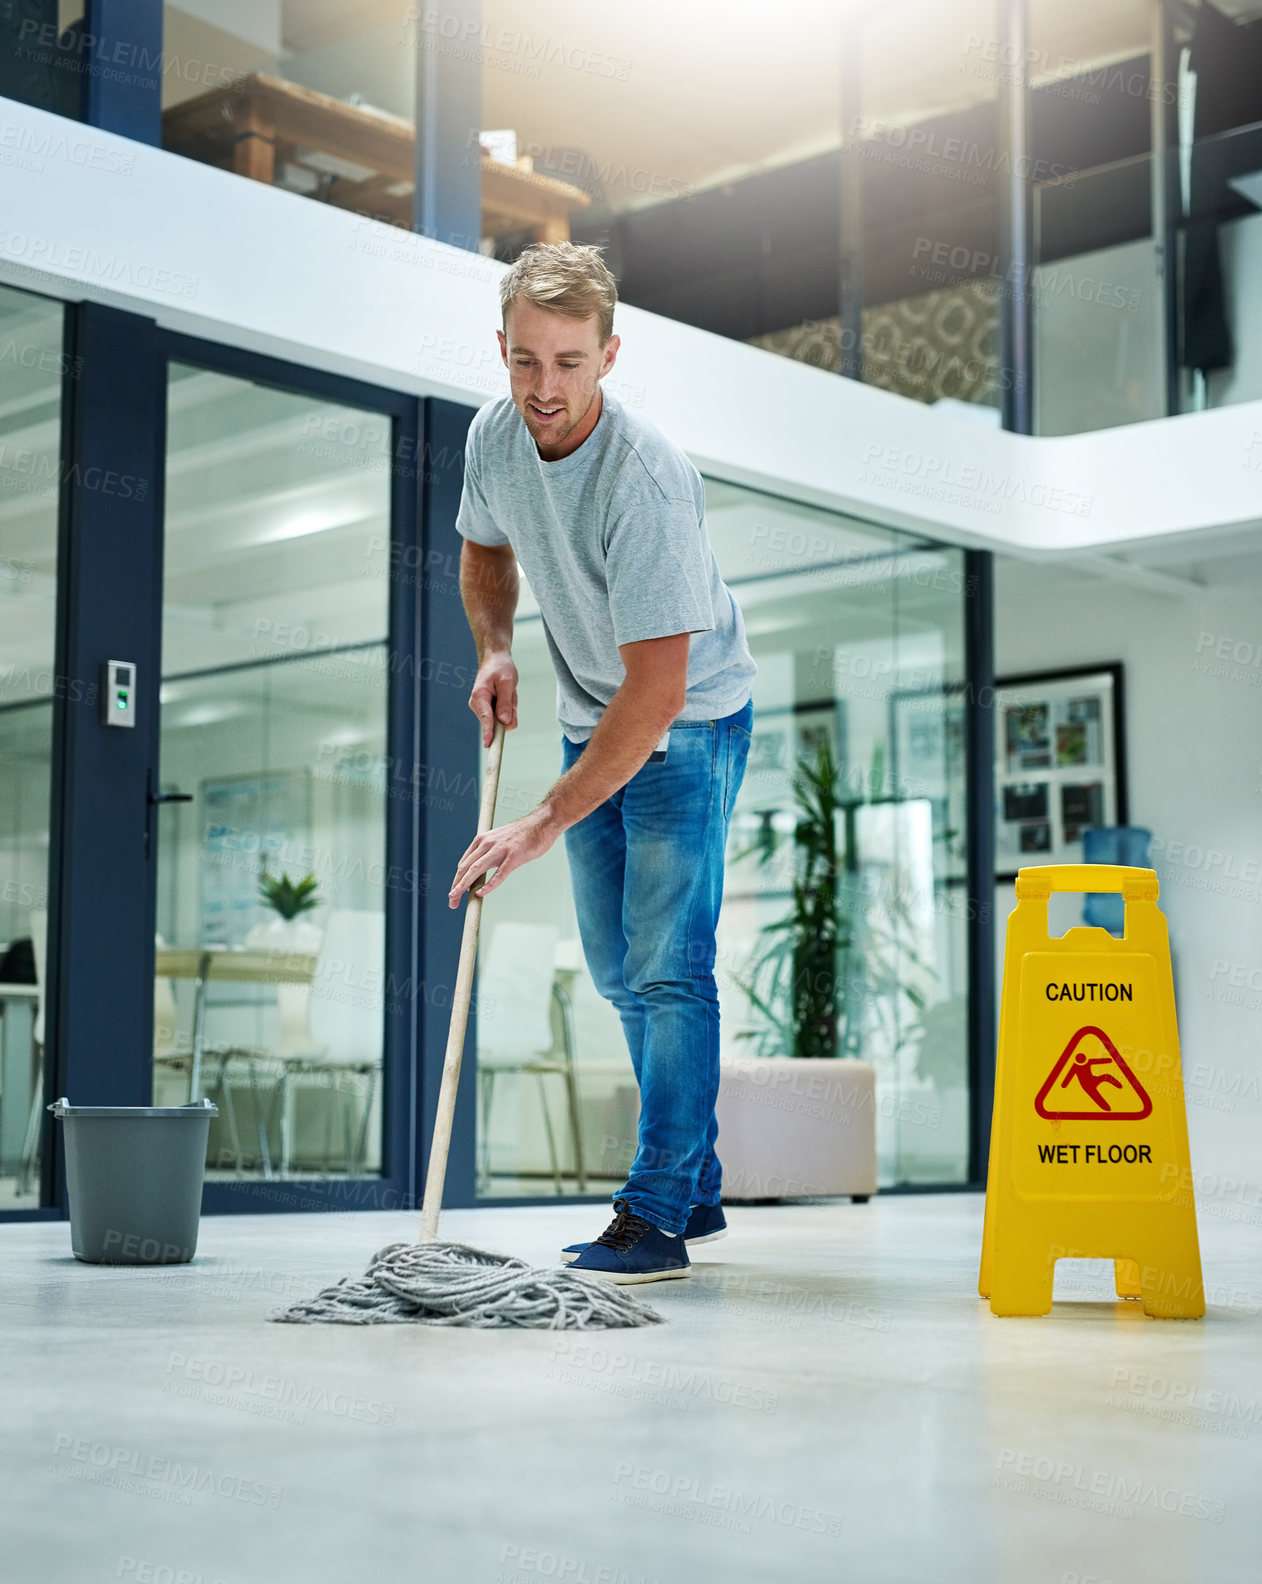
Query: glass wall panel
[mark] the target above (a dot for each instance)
(268, 991)
(858, 635)
(1095, 290)
(32, 363)
(1240, 380)
(1222, 254)
(859, 648)
(1099, 313)
(1098, 337)
(1220, 193)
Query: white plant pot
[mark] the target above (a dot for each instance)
(285, 935)
(797, 1129)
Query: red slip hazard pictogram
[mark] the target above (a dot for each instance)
(1092, 1076)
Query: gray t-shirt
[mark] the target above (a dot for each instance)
(613, 542)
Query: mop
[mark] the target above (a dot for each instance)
(436, 1283)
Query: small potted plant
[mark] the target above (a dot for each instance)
(288, 899)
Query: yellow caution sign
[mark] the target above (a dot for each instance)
(1089, 1145)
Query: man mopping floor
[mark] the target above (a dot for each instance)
(607, 520)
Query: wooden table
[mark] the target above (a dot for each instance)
(226, 964)
(260, 121)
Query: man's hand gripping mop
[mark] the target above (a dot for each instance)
(437, 1283)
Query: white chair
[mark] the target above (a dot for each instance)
(38, 918)
(343, 1032)
(293, 1033)
(517, 992)
(39, 943)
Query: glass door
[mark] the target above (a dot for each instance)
(272, 799)
(858, 633)
(32, 362)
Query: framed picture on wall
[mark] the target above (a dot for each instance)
(927, 761)
(820, 723)
(1060, 763)
(781, 737)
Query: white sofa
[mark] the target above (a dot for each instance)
(797, 1128)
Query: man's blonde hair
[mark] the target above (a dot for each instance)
(569, 278)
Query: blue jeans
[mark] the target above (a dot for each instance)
(647, 874)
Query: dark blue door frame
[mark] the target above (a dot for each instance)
(979, 752)
(120, 49)
(448, 742)
(98, 1025)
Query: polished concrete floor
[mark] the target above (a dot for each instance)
(830, 1401)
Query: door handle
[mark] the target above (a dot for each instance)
(155, 800)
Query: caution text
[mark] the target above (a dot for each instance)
(1090, 992)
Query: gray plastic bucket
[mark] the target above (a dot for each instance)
(134, 1177)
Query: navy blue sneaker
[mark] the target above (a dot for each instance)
(706, 1224)
(631, 1249)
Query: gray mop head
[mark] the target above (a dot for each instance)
(453, 1284)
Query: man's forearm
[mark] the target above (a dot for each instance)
(626, 734)
(653, 691)
(488, 587)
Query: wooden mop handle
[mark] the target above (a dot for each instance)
(436, 1175)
